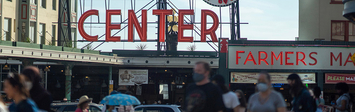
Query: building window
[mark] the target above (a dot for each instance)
(336, 2)
(7, 29)
(73, 38)
(342, 31)
(44, 3)
(9, 0)
(33, 1)
(42, 33)
(73, 6)
(54, 4)
(53, 34)
(32, 32)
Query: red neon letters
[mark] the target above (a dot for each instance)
(277, 58)
(212, 30)
(336, 59)
(142, 30)
(81, 25)
(315, 60)
(264, 58)
(183, 26)
(237, 56)
(110, 26)
(162, 14)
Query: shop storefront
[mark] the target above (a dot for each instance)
(313, 61)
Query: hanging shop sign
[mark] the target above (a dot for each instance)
(331, 78)
(276, 78)
(268, 57)
(220, 3)
(132, 77)
(142, 29)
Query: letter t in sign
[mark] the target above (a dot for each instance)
(162, 14)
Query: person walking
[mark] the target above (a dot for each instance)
(230, 99)
(128, 108)
(38, 94)
(266, 99)
(242, 101)
(83, 105)
(110, 108)
(302, 99)
(14, 87)
(345, 99)
(319, 101)
(203, 96)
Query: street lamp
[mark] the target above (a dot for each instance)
(6, 66)
(349, 10)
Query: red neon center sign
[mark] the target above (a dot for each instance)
(142, 29)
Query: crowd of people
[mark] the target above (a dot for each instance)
(205, 95)
(26, 92)
(211, 95)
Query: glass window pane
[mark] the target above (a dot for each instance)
(352, 38)
(168, 110)
(32, 32)
(70, 108)
(338, 31)
(6, 28)
(351, 28)
(138, 110)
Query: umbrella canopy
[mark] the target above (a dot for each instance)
(120, 99)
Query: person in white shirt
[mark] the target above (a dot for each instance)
(344, 101)
(230, 99)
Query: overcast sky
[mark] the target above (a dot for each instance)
(268, 20)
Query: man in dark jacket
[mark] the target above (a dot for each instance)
(42, 98)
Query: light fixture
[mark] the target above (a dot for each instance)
(47, 69)
(166, 70)
(77, 85)
(183, 82)
(58, 84)
(6, 66)
(103, 84)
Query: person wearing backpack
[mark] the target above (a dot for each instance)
(319, 102)
(344, 100)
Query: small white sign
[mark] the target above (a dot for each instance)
(111, 81)
(133, 76)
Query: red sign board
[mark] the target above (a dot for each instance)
(335, 78)
(142, 29)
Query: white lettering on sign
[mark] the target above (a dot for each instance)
(266, 57)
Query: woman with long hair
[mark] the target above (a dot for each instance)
(242, 100)
(14, 87)
(230, 99)
(38, 94)
(266, 99)
(345, 98)
(319, 101)
(83, 105)
(302, 99)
